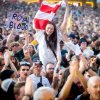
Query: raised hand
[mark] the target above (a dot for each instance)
(7, 54)
(83, 63)
(74, 65)
(66, 1)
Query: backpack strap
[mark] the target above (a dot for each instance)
(40, 79)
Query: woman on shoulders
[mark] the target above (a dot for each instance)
(49, 41)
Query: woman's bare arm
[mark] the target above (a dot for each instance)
(65, 19)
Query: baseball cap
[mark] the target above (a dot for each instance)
(37, 62)
(82, 40)
(71, 36)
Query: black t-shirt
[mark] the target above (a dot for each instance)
(74, 92)
(3, 94)
(9, 95)
(96, 51)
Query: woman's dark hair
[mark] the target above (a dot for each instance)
(16, 38)
(0, 30)
(98, 62)
(64, 77)
(52, 40)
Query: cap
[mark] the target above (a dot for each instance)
(37, 62)
(83, 40)
(6, 74)
(71, 36)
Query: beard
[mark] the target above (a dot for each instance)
(49, 76)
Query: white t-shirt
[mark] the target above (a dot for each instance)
(36, 80)
(46, 55)
(88, 52)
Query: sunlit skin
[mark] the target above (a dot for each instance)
(87, 76)
(37, 69)
(92, 61)
(46, 95)
(13, 59)
(83, 45)
(31, 49)
(94, 88)
(22, 92)
(49, 29)
(26, 52)
(15, 48)
(24, 72)
(61, 72)
(50, 69)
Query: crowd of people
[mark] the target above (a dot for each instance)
(61, 62)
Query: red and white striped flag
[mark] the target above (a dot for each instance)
(45, 14)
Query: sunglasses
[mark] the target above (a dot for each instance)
(15, 45)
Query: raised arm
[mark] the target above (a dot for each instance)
(65, 19)
(66, 88)
(85, 68)
(8, 62)
(68, 84)
(29, 88)
(9, 38)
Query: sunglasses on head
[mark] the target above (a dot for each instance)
(16, 45)
(23, 63)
